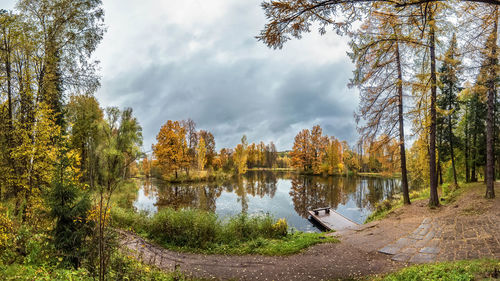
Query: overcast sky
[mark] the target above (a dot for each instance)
(199, 59)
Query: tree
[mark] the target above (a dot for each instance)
(209, 145)
(240, 156)
(492, 80)
(318, 147)
(295, 17)
(271, 154)
(121, 137)
(377, 52)
(448, 102)
(146, 167)
(69, 206)
(301, 151)
(334, 156)
(201, 151)
(171, 148)
(67, 33)
(191, 138)
(84, 117)
(35, 156)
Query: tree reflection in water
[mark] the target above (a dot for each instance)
(309, 192)
(281, 194)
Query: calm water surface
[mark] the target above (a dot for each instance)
(283, 195)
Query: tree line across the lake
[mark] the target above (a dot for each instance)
(63, 157)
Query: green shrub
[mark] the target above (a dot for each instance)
(187, 227)
(244, 227)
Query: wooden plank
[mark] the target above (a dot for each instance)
(333, 220)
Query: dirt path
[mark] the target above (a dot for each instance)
(466, 229)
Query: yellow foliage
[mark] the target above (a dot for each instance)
(280, 228)
(171, 150)
(6, 228)
(93, 214)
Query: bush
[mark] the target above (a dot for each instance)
(187, 227)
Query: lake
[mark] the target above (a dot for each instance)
(281, 194)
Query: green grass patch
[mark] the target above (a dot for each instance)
(29, 272)
(450, 192)
(197, 231)
(388, 206)
(453, 271)
(120, 268)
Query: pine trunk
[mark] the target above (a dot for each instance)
(450, 136)
(434, 198)
(404, 172)
(490, 120)
(467, 152)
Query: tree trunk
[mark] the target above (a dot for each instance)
(490, 120)
(450, 135)
(434, 199)
(438, 161)
(404, 173)
(467, 152)
(439, 171)
(474, 155)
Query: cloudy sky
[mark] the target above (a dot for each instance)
(199, 59)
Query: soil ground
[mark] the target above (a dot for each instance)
(465, 229)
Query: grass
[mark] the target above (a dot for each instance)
(121, 268)
(449, 194)
(485, 269)
(388, 206)
(198, 231)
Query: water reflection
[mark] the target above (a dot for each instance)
(284, 195)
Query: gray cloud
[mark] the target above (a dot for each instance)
(199, 59)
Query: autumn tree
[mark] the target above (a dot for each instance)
(301, 152)
(85, 117)
(318, 147)
(240, 156)
(67, 33)
(171, 148)
(146, 166)
(201, 152)
(209, 145)
(333, 157)
(378, 52)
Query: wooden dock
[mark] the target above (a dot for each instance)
(332, 220)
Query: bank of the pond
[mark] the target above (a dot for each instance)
(198, 176)
(221, 175)
(448, 194)
(197, 231)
